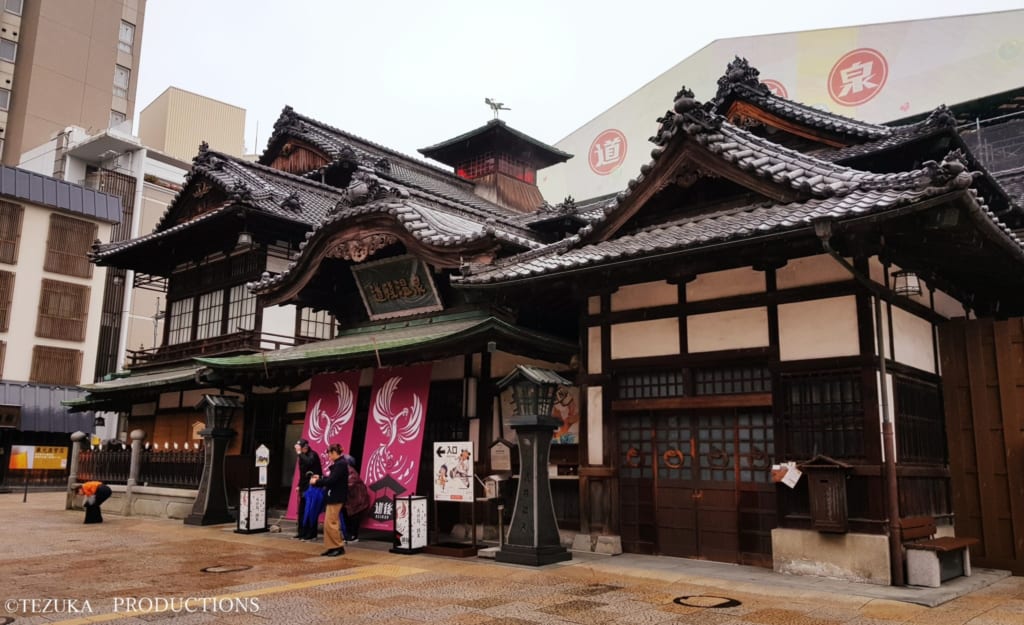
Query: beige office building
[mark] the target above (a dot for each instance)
(66, 63)
(177, 121)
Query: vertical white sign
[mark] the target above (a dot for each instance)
(453, 471)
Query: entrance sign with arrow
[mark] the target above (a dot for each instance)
(453, 471)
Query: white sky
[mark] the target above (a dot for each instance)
(411, 73)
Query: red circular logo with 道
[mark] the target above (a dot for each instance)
(607, 152)
(776, 88)
(858, 76)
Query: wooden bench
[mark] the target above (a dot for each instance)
(930, 560)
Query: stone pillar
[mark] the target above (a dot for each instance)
(211, 505)
(533, 532)
(137, 437)
(76, 447)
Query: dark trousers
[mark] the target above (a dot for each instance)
(301, 530)
(92, 510)
(350, 523)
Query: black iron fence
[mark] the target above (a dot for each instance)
(171, 468)
(110, 466)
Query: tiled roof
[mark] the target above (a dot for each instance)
(696, 232)
(385, 162)
(27, 186)
(826, 191)
(247, 184)
(741, 81)
(1012, 181)
(545, 155)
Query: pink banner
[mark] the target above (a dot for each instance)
(330, 412)
(394, 438)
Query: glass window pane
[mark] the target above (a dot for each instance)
(8, 50)
(13, 6)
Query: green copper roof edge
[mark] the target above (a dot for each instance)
(383, 346)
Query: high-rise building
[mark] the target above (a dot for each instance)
(66, 63)
(177, 121)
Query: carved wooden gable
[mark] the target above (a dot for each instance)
(298, 157)
(199, 196)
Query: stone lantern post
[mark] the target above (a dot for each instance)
(211, 505)
(533, 532)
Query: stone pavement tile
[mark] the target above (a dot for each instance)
(837, 613)
(863, 620)
(551, 599)
(591, 590)
(569, 608)
(507, 620)
(643, 617)
(775, 616)
(997, 617)
(946, 616)
(482, 603)
(891, 610)
(623, 606)
(707, 617)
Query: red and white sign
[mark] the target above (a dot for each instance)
(776, 88)
(330, 409)
(858, 76)
(394, 438)
(607, 152)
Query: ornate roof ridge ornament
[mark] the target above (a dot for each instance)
(739, 73)
(952, 172)
(292, 202)
(941, 117)
(366, 187)
(359, 249)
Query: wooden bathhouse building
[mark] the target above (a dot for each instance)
(779, 292)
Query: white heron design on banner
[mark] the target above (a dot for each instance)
(396, 425)
(322, 426)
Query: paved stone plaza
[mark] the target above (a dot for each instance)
(53, 565)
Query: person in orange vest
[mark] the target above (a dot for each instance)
(95, 494)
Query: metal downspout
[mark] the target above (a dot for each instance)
(824, 231)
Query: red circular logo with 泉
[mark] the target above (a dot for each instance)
(607, 152)
(858, 76)
(776, 88)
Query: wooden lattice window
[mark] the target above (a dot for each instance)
(920, 426)
(56, 365)
(732, 381)
(651, 384)
(67, 247)
(6, 298)
(10, 231)
(316, 324)
(63, 310)
(824, 414)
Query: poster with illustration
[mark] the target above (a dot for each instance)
(453, 471)
(566, 408)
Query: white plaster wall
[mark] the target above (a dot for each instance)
(279, 320)
(502, 363)
(947, 306)
(21, 336)
(729, 329)
(638, 339)
(821, 328)
(594, 350)
(889, 395)
(447, 369)
(595, 419)
(912, 336)
(645, 295)
(717, 284)
(820, 269)
(594, 304)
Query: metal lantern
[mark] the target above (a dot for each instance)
(533, 389)
(906, 283)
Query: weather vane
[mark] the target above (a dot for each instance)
(496, 106)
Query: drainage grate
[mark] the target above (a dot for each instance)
(707, 601)
(225, 568)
